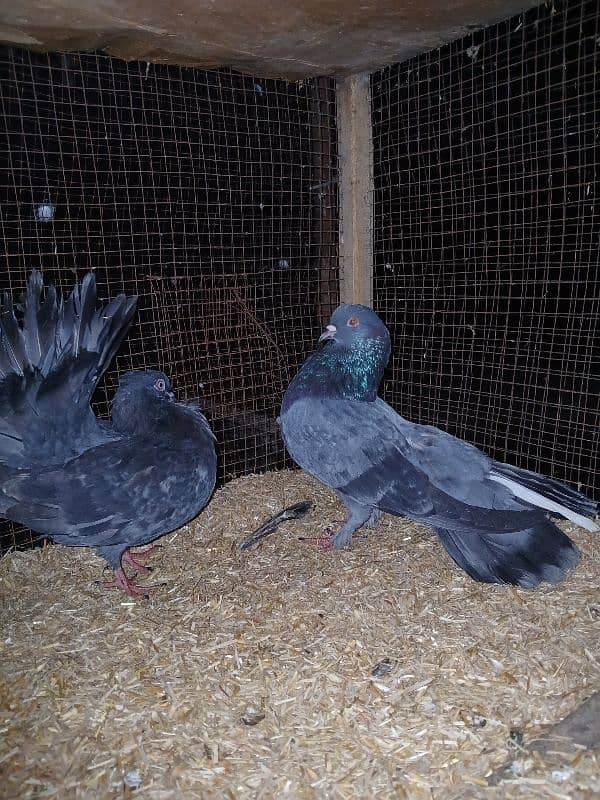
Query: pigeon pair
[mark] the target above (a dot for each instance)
(113, 485)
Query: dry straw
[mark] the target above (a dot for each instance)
(380, 672)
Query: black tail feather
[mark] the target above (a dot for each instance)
(13, 351)
(71, 337)
(39, 321)
(539, 553)
(26, 347)
(82, 328)
(548, 487)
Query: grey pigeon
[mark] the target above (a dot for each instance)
(492, 518)
(74, 478)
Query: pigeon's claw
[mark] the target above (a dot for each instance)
(333, 540)
(136, 560)
(322, 542)
(325, 542)
(125, 584)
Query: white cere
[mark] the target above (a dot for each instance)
(473, 51)
(283, 263)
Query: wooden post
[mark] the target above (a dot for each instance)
(324, 188)
(355, 189)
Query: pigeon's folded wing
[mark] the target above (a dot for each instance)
(355, 448)
(375, 457)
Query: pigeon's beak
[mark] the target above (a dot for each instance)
(329, 332)
(171, 395)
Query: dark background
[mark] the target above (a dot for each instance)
(487, 236)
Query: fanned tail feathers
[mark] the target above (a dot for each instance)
(54, 336)
(82, 328)
(39, 321)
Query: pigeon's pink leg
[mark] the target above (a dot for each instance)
(325, 542)
(136, 560)
(123, 583)
(322, 542)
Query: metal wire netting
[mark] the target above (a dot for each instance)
(211, 195)
(487, 238)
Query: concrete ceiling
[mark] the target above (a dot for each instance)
(272, 38)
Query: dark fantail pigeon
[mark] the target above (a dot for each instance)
(73, 478)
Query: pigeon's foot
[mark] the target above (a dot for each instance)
(322, 542)
(137, 560)
(333, 540)
(125, 584)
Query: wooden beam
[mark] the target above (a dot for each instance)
(355, 189)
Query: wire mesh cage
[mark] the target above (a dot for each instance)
(211, 195)
(487, 238)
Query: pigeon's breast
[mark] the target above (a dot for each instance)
(324, 437)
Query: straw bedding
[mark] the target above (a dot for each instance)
(379, 672)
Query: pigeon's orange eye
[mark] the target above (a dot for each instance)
(160, 385)
(353, 322)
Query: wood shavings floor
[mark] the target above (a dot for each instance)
(250, 675)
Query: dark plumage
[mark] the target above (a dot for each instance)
(493, 519)
(76, 479)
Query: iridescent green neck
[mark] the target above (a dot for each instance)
(355, 373)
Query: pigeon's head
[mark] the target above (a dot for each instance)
(147, 383)
(356, 349)
(143, 397)
(353, 324)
